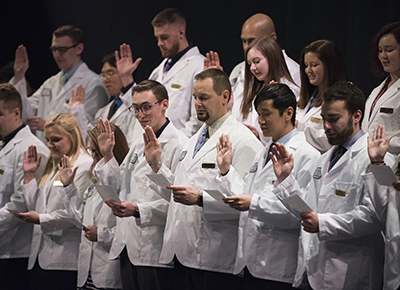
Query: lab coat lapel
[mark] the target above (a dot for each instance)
(73, 82)
(14, 141)
(178, 66)
(390, 93)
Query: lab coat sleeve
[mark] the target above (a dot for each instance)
(105, 235)
(61, 218)
(394, 145)
(109, 173)
(153, 213)
(379, 195)
(31, 192)
(317, 138)
(361, 221)
(232, 183)
(72, 202)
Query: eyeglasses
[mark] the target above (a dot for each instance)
(108, 74)
(62, 50)
(144, 108)
(91, 151)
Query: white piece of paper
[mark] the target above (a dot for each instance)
(295, 204)
(383, 174)
(159, 179)
(107, 192)
(215, 194)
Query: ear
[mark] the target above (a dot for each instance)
(164, 104)
(17, 113)
(225, 97)
(79, 48)
(289, 114)
(357, 117)
(273, 34)
(182, 32)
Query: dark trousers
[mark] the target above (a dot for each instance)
(194, 279)
(144, 278)
(251, 282)
(14, 274)
(41, 279)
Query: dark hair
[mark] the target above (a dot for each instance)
(110, 59)
(69, 30)
(392, 28)
(219, 78)
(334, 70)
(169, 16)
(351, 94)
(278, 69)
(282, 98)
(149, 85)
(11, 97)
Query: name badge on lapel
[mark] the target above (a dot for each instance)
(253, 169)
(317, 173)
(386, 110)
(134, 159)
(175, 86)
(340, 192)
(183, 155)
(316, 120)
(208, 165)
(46, 92)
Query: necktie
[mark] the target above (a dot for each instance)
(269, 150)
(63, 81)
(201, 141)
(167, 67)
(112, 111)
(339, 151)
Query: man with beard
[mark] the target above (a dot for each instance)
(182, 61)
(202, 232)
(341, 244)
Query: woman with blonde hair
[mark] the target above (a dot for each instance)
(56, 235)
(321, 66)
(95, 269)
(264, 63)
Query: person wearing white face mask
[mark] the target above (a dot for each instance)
(383, 104)
(321, 66)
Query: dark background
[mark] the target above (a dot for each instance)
(211, 25)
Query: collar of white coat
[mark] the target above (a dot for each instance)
(21, 135)
(390, 93)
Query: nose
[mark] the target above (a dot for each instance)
(327, 125)
(261, 121)
(308, 70)
(253, 67)
(159, 42)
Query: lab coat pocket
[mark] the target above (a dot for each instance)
(344, 196)
(6, 180)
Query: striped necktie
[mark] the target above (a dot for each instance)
(201, 141)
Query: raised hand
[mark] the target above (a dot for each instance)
(212, 61)
(282, 161)
(106, 139)
(21, 63)
(224, 154)
(30, 164)
(77, 97)
(125, 64)
(152, 149)
(379, 145)
(66, 174)
(91, 233)
(36, 123)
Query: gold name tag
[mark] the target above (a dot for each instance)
(386, 110)
(208, 165)
(340, 192)
(316, 120)
(57, 183)
(175, 86)
(1, 171)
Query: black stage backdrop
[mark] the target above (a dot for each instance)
(211, 25)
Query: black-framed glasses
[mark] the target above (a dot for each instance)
(91, 151)
(144, 108)
(62, 49)
(108, 74)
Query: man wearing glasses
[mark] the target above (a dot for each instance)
(52, 96)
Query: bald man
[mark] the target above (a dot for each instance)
(257, 26)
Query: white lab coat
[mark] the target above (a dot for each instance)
(179, 82)
(206, 237)
(56, 239)
(46, 102)
(312, 125)
(347, 252)
(386, 112)
(268, 232)
(386, 201)
(142, 236)
(93, 256)
(124, 119)
(16, 235)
